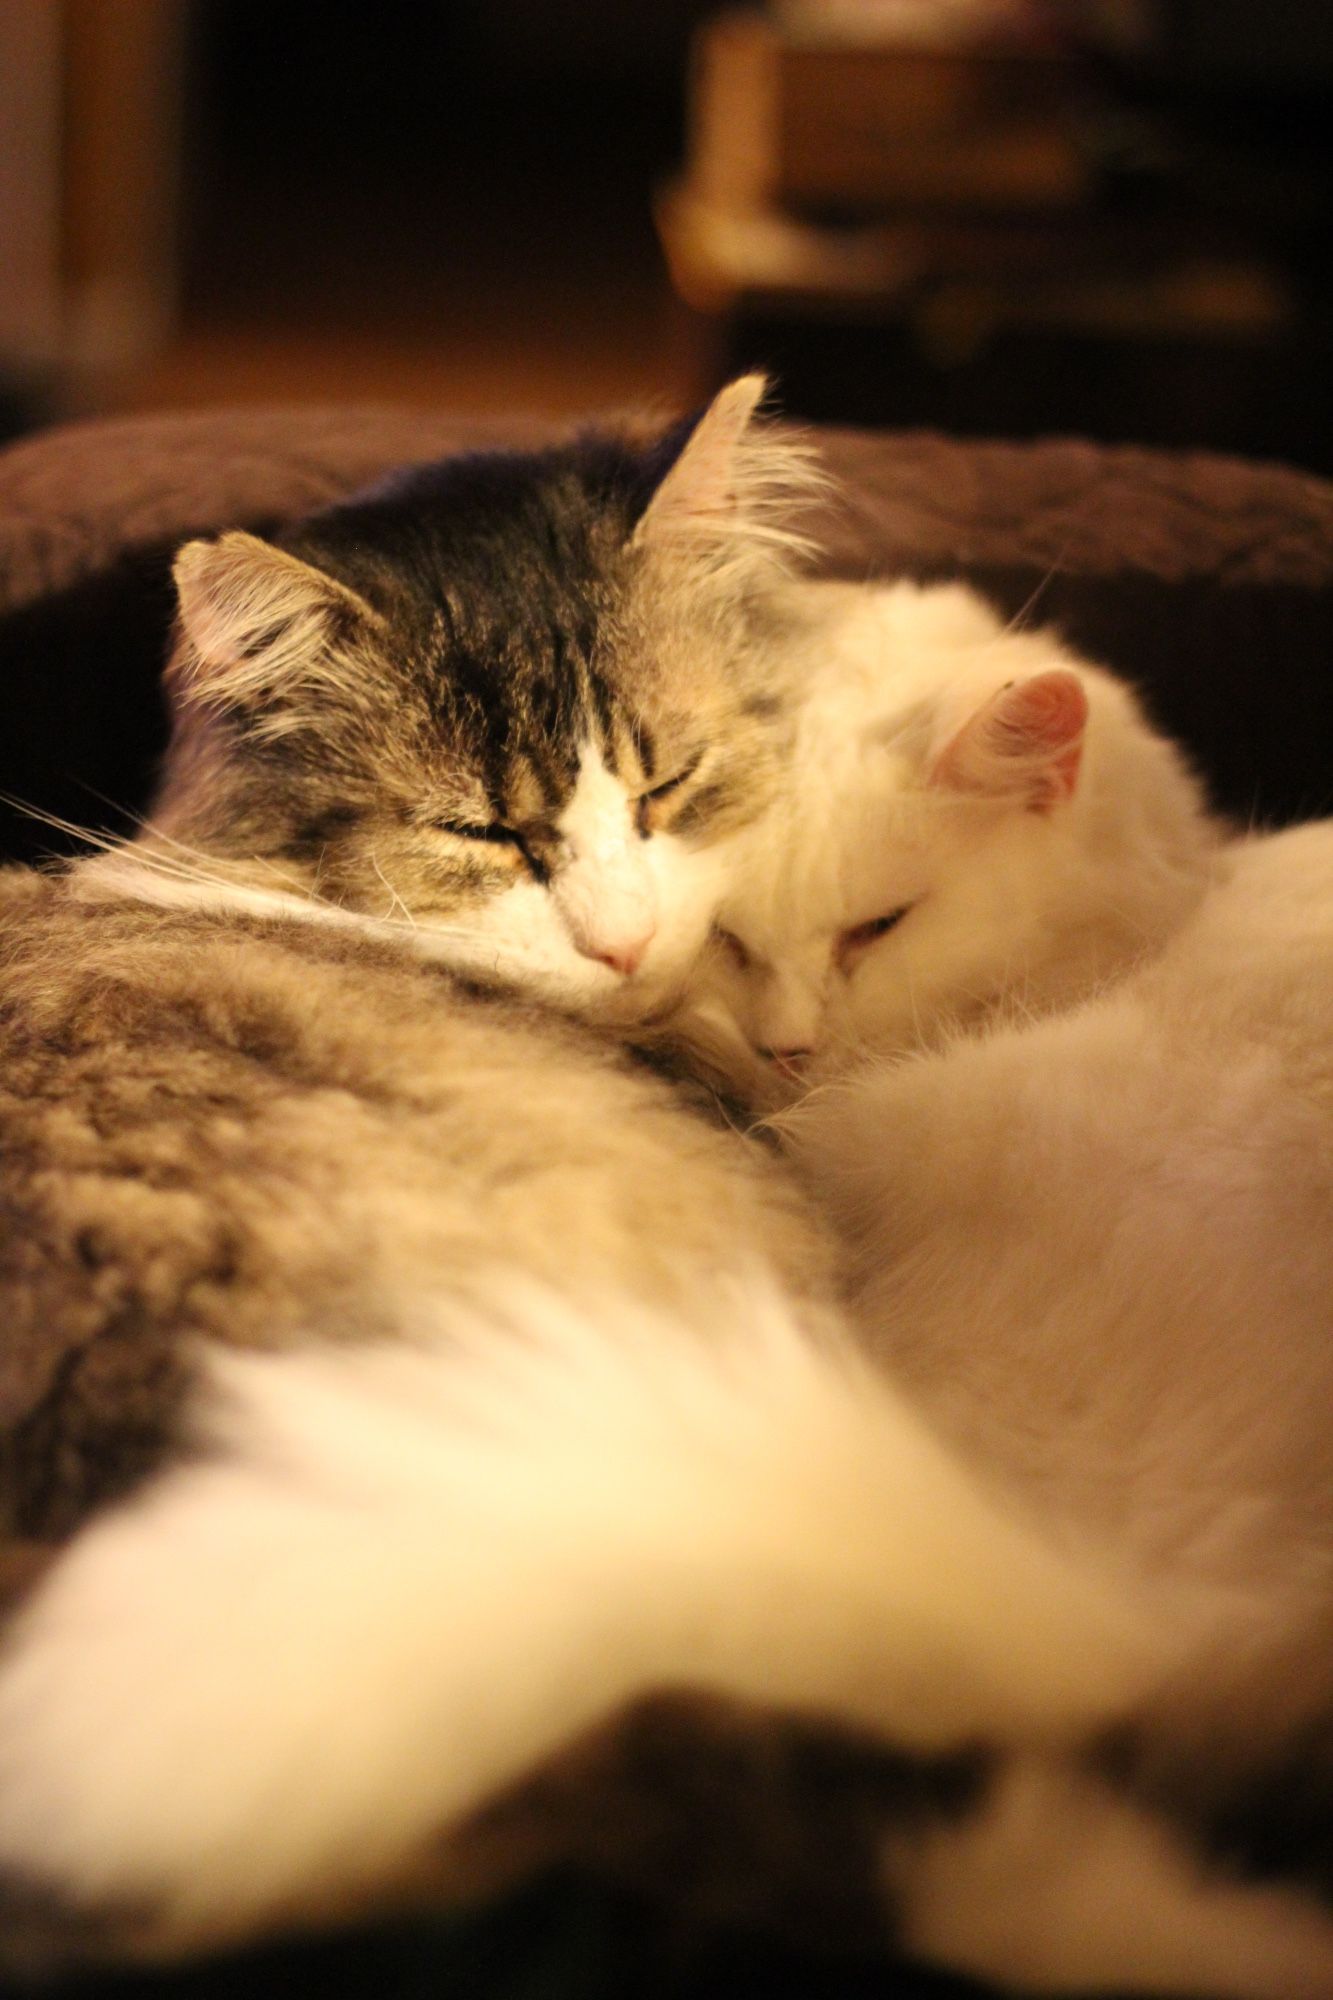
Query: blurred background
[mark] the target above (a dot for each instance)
(1007, 217)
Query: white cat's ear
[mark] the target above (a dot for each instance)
(259, 623)
(733, 484)
(1025, 743)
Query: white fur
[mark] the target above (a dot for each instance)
(1075, 1125)
(1095, 1249)
(1009, 906)
(604, 888)
(1097, 1245)
(406, 1573)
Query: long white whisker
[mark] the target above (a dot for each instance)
(198, 855)
(86, 835)
(395, 899)
(167, 867)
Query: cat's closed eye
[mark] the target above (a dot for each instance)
(493, 830)
(734, 949)
(852, 943)
(494, 833)
(647, 817)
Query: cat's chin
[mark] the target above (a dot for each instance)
(521, 942)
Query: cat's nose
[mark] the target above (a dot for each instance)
(624, 958)
(790, 1061)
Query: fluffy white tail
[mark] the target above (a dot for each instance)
(403, 1574)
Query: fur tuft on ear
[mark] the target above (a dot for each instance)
(258, 624)
(728, 496)
(1025, 743)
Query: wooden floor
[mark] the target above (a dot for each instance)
(539, 288)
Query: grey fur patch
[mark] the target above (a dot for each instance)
(208, 1123)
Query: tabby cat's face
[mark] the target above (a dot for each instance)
(509, 703)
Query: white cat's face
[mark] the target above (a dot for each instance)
(889, 896)
(908, 918)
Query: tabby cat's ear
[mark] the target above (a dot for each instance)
(259, 624)
(732, 484)
(1025, 743)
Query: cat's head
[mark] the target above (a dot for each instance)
(509, 701)
(977, 823)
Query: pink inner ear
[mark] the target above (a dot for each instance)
(1028, 738)
(1051, 714)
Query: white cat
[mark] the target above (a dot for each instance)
(972, 820)
(1087, 1189)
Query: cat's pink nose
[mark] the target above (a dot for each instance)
(624, 958)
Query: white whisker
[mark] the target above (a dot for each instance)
(395, 900)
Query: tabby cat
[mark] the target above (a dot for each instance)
(399, 1374)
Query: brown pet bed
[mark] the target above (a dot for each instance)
(1207, 581)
